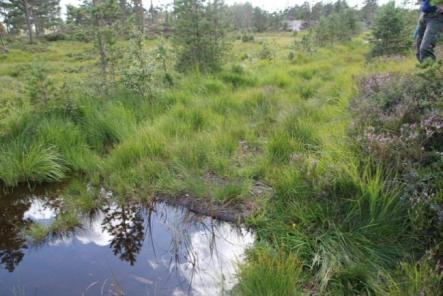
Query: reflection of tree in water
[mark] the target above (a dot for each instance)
(125, 224)
(12, 240)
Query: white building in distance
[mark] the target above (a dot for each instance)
(294, 25)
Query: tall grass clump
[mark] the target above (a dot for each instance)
(137, 160)
(302, 131)
(192, 154)
(280, 148)
(275, 77)
(348, 232)
(30, 162)
(269, 273)
(145, 144)
(69, 140)
(355, 252)
(238, 76)
(422, 277)
(104, 126)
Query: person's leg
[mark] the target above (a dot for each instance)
(431, 35)
(421, 28)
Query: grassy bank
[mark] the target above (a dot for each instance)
(279, 123)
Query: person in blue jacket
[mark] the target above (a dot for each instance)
(430, 26)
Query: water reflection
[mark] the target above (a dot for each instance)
(16, 211)
(119, 250)
(125, 225)
(12, 242)
(41, 210)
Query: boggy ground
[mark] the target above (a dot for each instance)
(267, 136)
(211, 136)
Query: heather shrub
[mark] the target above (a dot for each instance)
(398, 122)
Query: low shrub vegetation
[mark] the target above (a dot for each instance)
(399, 124)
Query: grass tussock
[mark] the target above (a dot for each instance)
(270, 272)
(23, 162)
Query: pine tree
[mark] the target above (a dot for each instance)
(152, 13)
(107, 17)
(30, 15)
(200, 34)
(337, 27)
(124, 7)
(259, 19)
(2, 34)
(368, 11)
(139, 14)
(390, 32)
(29, 20)
(242, 16)
(80, 21)
(13, 13)
(99, 38)
(46, 14)
(317, 11)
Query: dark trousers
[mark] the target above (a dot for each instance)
(430, 27)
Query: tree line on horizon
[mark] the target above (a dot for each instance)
(199, 29)
(39, 18)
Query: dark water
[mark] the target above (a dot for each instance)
(118, 250)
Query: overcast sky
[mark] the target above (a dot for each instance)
(269, 5)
